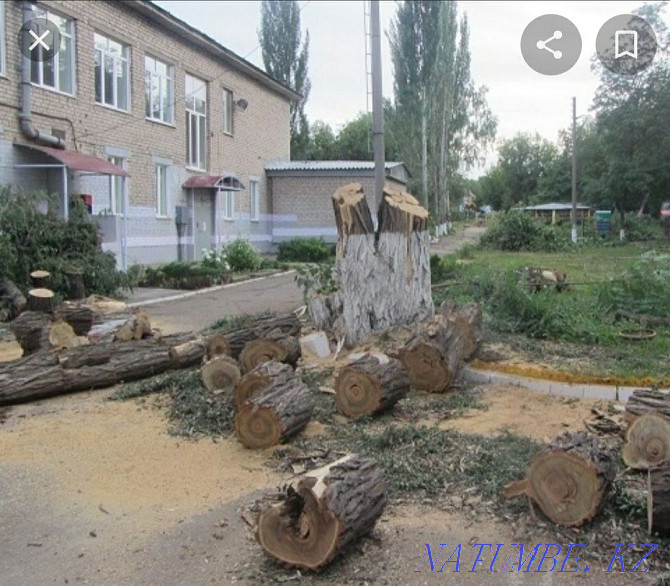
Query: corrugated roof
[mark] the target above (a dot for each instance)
(555, 206)
(327, 165)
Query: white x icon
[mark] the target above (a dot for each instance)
(39, 40)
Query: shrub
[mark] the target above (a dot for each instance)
(442, 268)
(242, 256)
(319, 279)
(216, 260)
(305, 250)
(637, 229)
(515, 231)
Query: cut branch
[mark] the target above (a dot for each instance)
(265, 349)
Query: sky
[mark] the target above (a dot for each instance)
(521, 99)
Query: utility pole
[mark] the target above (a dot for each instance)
(574, 170)
(377, 105)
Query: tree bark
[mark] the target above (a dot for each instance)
(569, 480)
(31, 331)
(40, 279)
(220, 373)
(217, 345)
(647, 401)
(75, 281)
(188, 353)
(658, 499)
(331, 508)
(16, 300)
(282, 411)
(370, 384)
(259, 380)
(41, 300)
(136, 328)
(647, 442)
(468, 322)
(80, 317)
(263, 350)
(273, 327)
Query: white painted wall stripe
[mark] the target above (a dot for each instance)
(323, 231)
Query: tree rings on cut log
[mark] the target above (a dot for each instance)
(263, 350)
(658, 499)
(40, 279)
(647, 442)
(220, 373)
(370, 384)
(41, 300)
(258, 380)
(569, 480)
(331, 508)
(217, 345)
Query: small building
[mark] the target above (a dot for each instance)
(553, 212)
(301, 191)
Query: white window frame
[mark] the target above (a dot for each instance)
(116, 62)
(3, 48)
(162, 194)
(116, 183)
(254, 200)
(164, 117)
(197, 161)
(43, 13)
(228, 109)
(228, 205)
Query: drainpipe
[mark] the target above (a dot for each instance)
(25, 112)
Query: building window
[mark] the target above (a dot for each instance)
(116, 188)
(227, 111)
(228, 205)
(159, 89)
(161, 191)
(254, 202)
(2, 36)
(196, 122)
(56, 73)
(111, 73)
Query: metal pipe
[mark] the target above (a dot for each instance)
(124, 228)
(377, 105)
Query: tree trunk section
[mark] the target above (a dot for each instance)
(273, 327)
(658, 499)
(569, 480)
(40, 279)
(468, 321)
(80, 317)
(647, 401)
(62, 336)
(370, 384)
(136, 328)
(217, 345)
(75, 281)
(282, 411)
(647, 442)
(15, 299)
(259, 380)
(331, 508)
(265, 349)
(31, 331)
(41, 300)
(220, 373)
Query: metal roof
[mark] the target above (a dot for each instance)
(227, 183)
(328, 165)
(79, 161)
(550, 207)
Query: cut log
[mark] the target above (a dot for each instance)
(41, 300)
(647, 442)
(370, 384)
(282, 411)
(569, 480)
(136, 328)
(331, 508)
(220, 373)
(468, 320)
(272, 327)
(433, 355)
(188, 353)
(217, 345)
(658, 499)
(75, 281)
(648, 401)
(80, 317)
(40, 279)
(15, 299)
(47, 374)
(259, 380)
(265, 349)
(62, 336)
(31, 330)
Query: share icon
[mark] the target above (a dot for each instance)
(551, 44)
(542, 45)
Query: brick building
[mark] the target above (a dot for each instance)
(162, 130)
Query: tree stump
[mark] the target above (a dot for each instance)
(40, 279)
(217, 345)
(263, 350)
(75, 281)
(272, 327)
(370, 384)
(569, 480)
(658, 499)
(259, 379)
(31, 330)
(647, 442)
(188, 352)
(16, 300)
(647, 401)
(282, 411)
(220, 373)
(41, 300)
(331, 508)
(80, 317)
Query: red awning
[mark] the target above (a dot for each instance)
(78, 161)
(226, 183)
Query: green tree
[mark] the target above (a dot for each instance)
(285, 56)
(322, 143)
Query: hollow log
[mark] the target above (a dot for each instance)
(50, 373)
(259, 379)
(658, 499)
(75, 282)
(331, 508)
(647, 401)
(433, 355)
(136, 328)
(568, 480)
(15, 299)
(272, 327)
(217, 345)
(80, 317)
(267, 419)
(220, 373)
(189, 352)
(40, 279)
(647, 442)
(31, 331)
(370, 384)
(41, 300)
(263, 350)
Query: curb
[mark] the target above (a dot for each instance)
(205, 291)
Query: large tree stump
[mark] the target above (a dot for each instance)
(40, 279)
(647, 442)
(647, 401)
(370, 384)
(263, 350)
(658, 499)
(15, 299)
(267, 419)
(569, 480)
(41, 300)
(331, 508)
(271, 327)
(80, 317)
(259, 380)
(220, 373)
(75, 281)
(31, 330)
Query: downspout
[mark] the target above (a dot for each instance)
(25, 112)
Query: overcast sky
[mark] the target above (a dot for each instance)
(521, 99)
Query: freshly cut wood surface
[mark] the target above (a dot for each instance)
(136, 328)
(220, 373)
(331, 508)
(40, 279)
(259, 380)
(189, 352)
(658, 499)
(62, 336)
(79, 316)
(647, 442)
(217, 345)
(41, 300)
(271, 327)
(262, 350)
